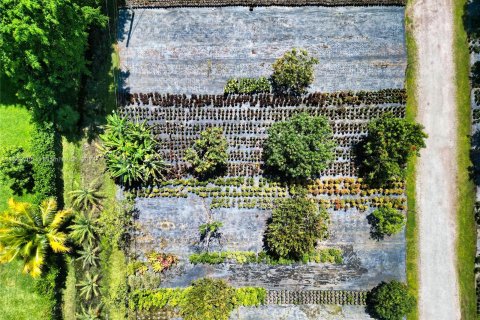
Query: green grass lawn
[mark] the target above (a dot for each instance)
(411, 114)
(17, 297)
(466, 242)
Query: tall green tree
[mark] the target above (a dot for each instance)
(386, 149)
(390, 301)
(300, 147)
(43, 52)
(32, 233)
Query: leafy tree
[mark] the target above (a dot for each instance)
(300, 147)
(131, 153)
(89, 287)
(386, 221)
(294, 228)
(209, 155)
(43, 51)
(87, 198)
(293, 72)
(17, 169)
(475, 75)
(208, 299)
(390, 301)
(32, 233)
(386, 149)
(83, 229)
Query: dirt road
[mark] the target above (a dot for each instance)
(436, 170)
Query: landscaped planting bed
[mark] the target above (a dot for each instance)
(176, 65)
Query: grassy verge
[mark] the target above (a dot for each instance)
(466, 245)
(411, 113)
(18, 299)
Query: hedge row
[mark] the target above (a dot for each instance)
(47, 166)
(145, 300)
(253, 3)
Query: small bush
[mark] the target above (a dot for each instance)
(390, 301)
(17, 170)
(386, 221)
(209, 155)
(293, 72)
(294, 229)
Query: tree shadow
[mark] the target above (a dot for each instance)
(374, 233)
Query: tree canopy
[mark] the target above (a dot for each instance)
(294, 228)
(386, 149)
(390, 301)
(300, 147)
(43, 51)
(386, 221)
(293, 72)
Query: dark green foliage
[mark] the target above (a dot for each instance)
(209, 155)
(293, 72)
(43, 51)
(386, 221)
(475, 76)
(390, 301)
(208, 299)
(248, 86)
(130, 152)
(294, 228)
(47, 164)
(17, 170)
(300, 147)
(386, 149)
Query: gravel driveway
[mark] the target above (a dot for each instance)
(436, 179)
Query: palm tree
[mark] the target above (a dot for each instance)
(89, 286)
(87, 198)
(32, 233)
(89, 256)
(83, 229)
(89, 313)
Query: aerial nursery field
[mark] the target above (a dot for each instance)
(175, 63)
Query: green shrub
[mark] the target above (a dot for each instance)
(386, 221)
(294, 228)
(300, 147)
(130, 151)
(293, 72)
(390, 301)
(209, 155)
(386, 149)
(47, 166)
(247, 86)
(206, 299)
(17, 170)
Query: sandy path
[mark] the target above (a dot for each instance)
(436, 171)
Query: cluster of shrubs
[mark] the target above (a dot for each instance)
(248, 86)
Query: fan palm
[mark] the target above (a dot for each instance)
(87, 198)
(89, 313)
(32, 233)
(83, 229)
(89, 286)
